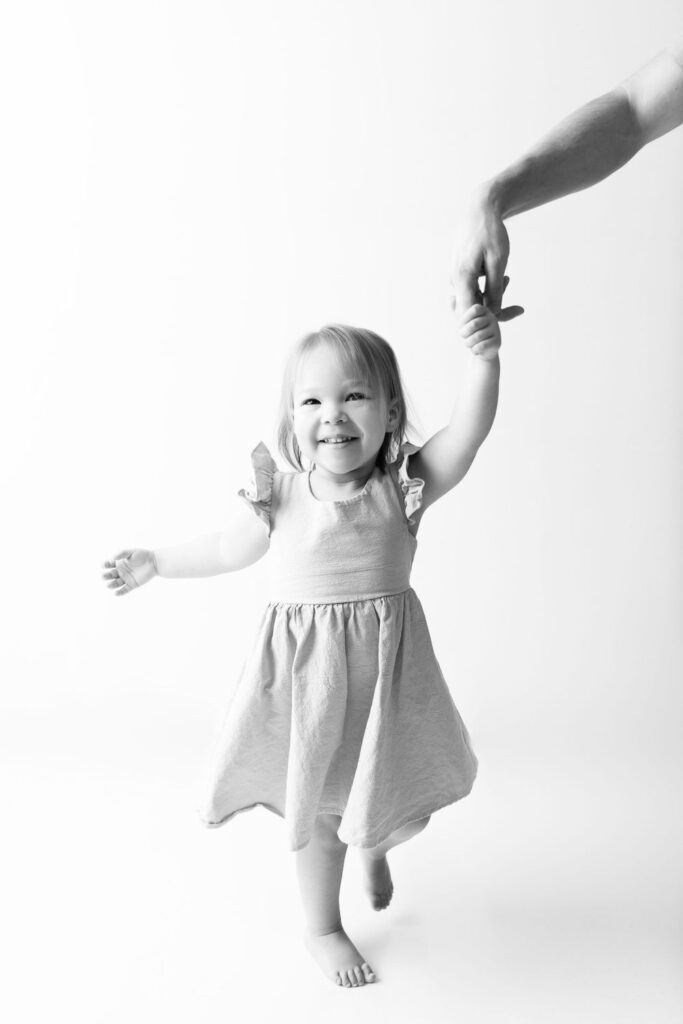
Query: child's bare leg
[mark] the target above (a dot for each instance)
(378, 881)
(319, 867)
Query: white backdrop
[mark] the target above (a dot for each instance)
(186, 189)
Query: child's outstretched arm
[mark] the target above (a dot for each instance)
(445, 458)
(241, 543)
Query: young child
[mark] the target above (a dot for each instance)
(342, 722)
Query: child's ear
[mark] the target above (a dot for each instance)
(392, 413)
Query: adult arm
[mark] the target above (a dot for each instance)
(581, 150)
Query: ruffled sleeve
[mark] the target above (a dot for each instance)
(411, 486)
(259, 495)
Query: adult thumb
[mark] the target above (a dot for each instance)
(510, 313)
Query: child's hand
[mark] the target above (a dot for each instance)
(479, 327)
(129, 569)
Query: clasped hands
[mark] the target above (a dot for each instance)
(481, 249)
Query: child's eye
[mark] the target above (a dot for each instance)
(355, 395)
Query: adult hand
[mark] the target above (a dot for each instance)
(481, 250)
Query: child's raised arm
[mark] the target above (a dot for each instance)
(241, 543)
(445, 458)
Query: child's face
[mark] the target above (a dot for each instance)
(328, 403)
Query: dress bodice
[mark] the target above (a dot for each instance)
(352, 549)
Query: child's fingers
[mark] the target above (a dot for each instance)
(111, 565)
(114, 575)
(122, 554)
(478, 323)
(472, 312)
(120, 587)
(479, 337)
(485, 348)
(126, 574)
(122, 580)
(484, 342)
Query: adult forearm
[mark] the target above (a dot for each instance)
(581, 150)
(199, 557)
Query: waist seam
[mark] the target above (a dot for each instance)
(274, 602)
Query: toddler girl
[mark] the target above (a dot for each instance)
(342, 722)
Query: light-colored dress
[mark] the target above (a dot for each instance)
(341, 706)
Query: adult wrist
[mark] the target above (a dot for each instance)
(486, 198)
(500, 194)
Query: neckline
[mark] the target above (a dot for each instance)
(340, 501)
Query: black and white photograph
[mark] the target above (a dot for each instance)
(343, 422)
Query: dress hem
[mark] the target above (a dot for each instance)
(365, 842)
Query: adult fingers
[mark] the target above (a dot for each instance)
(495, 281)
(464, 289)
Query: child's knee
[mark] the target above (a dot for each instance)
(326, 826)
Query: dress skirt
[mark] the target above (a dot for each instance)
(341, 708)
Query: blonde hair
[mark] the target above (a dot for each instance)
(371, 359)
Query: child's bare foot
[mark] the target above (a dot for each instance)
(378, 882)
(339, 959)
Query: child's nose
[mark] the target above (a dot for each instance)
(333, 413)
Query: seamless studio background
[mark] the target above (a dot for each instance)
(187, 189)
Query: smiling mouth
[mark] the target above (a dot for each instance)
(337, 440)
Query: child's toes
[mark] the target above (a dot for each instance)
(368, 972)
